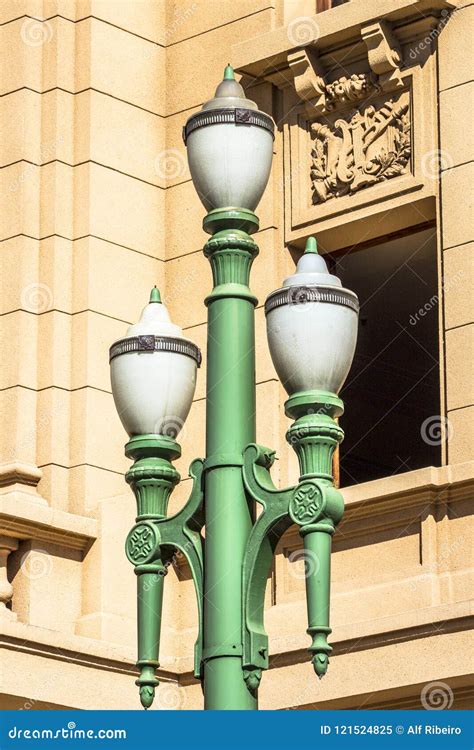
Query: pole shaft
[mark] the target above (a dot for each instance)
(230, 427)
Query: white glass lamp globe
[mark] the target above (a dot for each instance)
(153, 373)
(230, 146)
(312, 327)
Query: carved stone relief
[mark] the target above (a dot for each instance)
(310, 77)
(354, 150)
(349, 89)
(360, 112)
(371, 143)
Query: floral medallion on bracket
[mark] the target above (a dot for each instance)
(307, 504)
(143, 543)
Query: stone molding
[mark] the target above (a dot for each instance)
(384, 504)
(19, 472)
(360, 118)
(22, 518)
(267, 56)
(403, 627)
(7, 545)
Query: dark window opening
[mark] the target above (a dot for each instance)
(322, 5)
(392, 393)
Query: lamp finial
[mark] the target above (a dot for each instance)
(311, 245)
(229, 73)
(155, 295)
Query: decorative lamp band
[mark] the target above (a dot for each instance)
(297, 295)
(150, 343)
(237, 116)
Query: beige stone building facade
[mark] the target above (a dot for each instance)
(373, 154)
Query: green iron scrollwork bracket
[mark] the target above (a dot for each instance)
(266, 533)
(182, 532)
(315, 506)
(152, 544)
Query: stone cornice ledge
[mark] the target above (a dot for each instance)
(414, 488)
(65, 647)
(428, 622)
(74, 649)
(363, 635)
(268, 53)
(389, 502)
(22, 518)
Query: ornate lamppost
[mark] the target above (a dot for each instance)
(312, 330)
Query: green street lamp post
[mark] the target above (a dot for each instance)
(312, 330)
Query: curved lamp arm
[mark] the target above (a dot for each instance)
(314, 505)
(183, 532)
(153, 542)
(266, 533)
